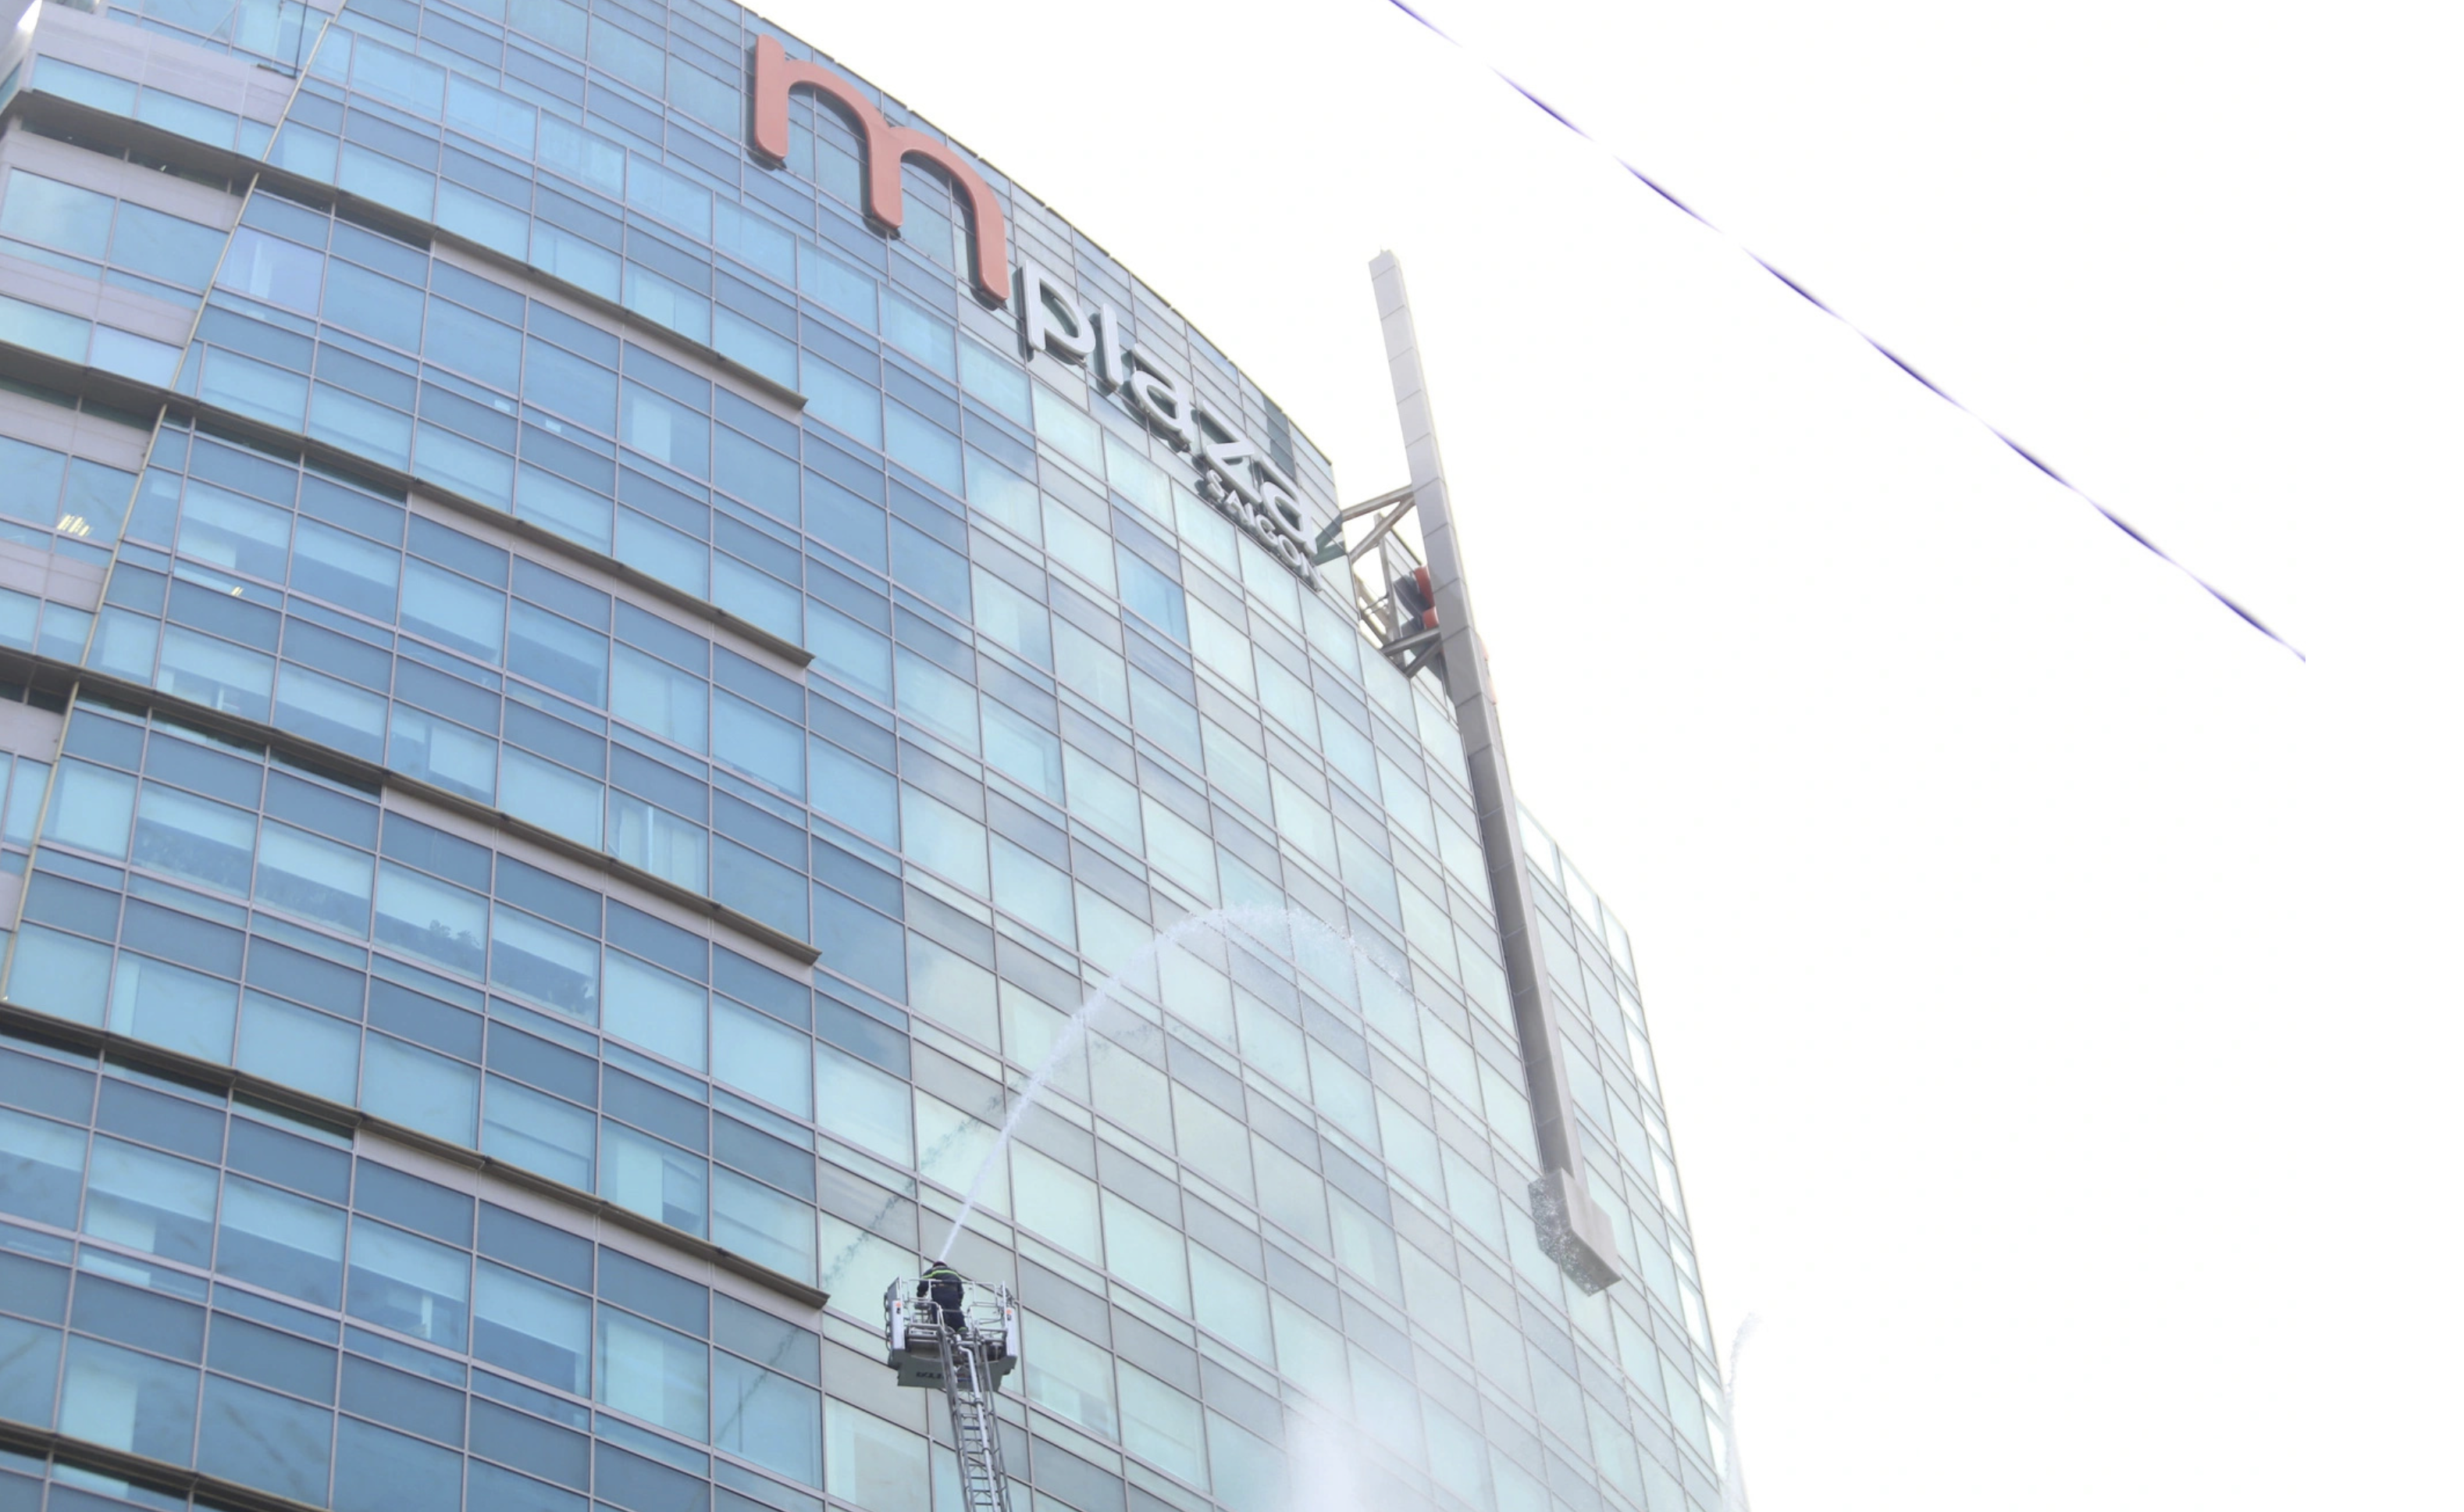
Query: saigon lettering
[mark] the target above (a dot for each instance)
(1234, 474)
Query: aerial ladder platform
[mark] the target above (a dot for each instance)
(966, 1363)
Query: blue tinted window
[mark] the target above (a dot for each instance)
(1156, 597)
(56, 214)
(920, 335)
(177, 250)
(659, 427)
(929, 568)
(471, 343)
(373, 305)
(573, 387)
(554, 651)
(268, 268)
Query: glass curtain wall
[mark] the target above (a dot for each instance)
(579, 723)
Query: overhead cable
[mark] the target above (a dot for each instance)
(1861, 334)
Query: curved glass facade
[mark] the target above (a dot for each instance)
(578, 719)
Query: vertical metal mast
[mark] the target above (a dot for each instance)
(1573, 1229)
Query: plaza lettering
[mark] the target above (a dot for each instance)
(1234, 473)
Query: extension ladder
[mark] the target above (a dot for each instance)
(967, 1363)
(983, 1481)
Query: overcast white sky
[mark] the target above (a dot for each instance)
(2056, 982)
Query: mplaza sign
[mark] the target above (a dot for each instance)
(1234, 474)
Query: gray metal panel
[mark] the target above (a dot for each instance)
(1573, 1228)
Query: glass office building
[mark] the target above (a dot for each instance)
(576, 719)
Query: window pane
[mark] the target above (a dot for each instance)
(308, 875)
(661, 699)
(763, 1226)
(300, 1048)
(956, 1150)
(165, 247)
(491, 116)
(173, 1007)
(75, 974)
(150, 1201)
(551, 796)
(557, 653)
(445, 924)
(409, 1284)
(643, 835)
(854, 792)
(374, 305)
(656, 1009)
(95, 499)
(757, 1055)
(1105, 799)
(653, 1178)
(452, 610)
(260, 1439)
(1057, 1202)
(378, 1471)
(233, 531)
(1154, 596)
(344, 569)
(1067, 1375)
(846, 651)
(128, 1401)
(1069, 430)
(655, 1373)
(918, 334)
(555, 379)
(1145, 1252)
(332, 712)
(37, 472)
(1310, 1353)
(56, 214)
(425, 1091)
(279, 272)
(215, 674)
(25, 801)
(1004, 495)
(539, 1133)
(1013, 620)
(1022, 748)
(768, 1418)
(872, 1464)
(544, 963)
(42, 1164)
(30, 1363)
(866, 1107)
(658, 426)
(193, 837)
(757, 596)
(931, 568)
(756, 742)
(1077, 543)
(91, 809)
(839, 400)
(531, 1328)
(940, 702)
(468, 341)
(944, 839)
(1090, 671)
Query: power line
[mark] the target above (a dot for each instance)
(1861, 334)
